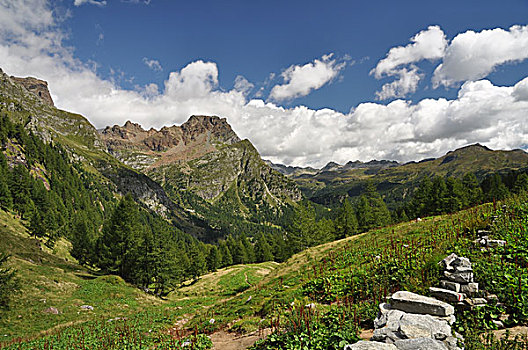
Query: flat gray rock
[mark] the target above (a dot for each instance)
(370, 345)
(419, 344)
(446, 295)
(423, 326)
(419, 304)
(460, 277)
(455, 287)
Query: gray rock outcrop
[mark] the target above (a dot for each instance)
(412, 322)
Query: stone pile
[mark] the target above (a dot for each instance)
(412, 321)
(459, 286)
(485, 242)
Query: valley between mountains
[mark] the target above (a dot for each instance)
(185, 238)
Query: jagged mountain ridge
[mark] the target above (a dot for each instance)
(396, 181)
(206, 158)
(19, 98)
(203, 155)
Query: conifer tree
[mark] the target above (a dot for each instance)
(472, 189)
(372, 210)
(521, 183)
(115, 248)
(8, 282)
(214, 260)
(82, 239)
(302, 229)
(227, 258)
(346, 222)
(197, 260)
(262, 249)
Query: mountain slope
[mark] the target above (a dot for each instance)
(208, 170)
(81, 140)
(396, 181)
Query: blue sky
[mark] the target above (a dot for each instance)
(256, 38)
(307, 82)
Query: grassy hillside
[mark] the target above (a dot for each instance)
(340, 283)
(52, 278)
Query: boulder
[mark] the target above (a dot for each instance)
(493, 243)
(470, 288)
(420, 343)
(461, 264)
(419, 304)
(52, 310)
(454, 286)
(446, 295)
(460, 277)
(396, 324)
(448, 260)
(418, 326)
(369, 345)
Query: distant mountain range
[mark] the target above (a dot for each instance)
(208, 180)
(395, 181)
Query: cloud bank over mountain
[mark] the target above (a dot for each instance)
(400, 130)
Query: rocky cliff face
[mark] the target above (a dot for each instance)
(27, 101)
(37, 87)
(203, 156)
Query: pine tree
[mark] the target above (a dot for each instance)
(9, 284)
(82, 239)
(214, 260)
(302, 229)
(494, 188)
(422, 204)
(346, 222)
(116, 246)
(473, 191)
(372, 210)
(6, 201)
(521, 183)
(197, 260)
(262, 249)
(227, 258)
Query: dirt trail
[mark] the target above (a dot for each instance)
(518, 330)
(223, 340)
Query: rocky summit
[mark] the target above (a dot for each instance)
(203, 155)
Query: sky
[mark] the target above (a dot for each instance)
(307, 82)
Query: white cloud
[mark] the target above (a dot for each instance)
(428, 44)
(153, 64)
(474, 55)
(100, 3)
(243, 85)
(406, 83)
(301, 80)
(482, 112)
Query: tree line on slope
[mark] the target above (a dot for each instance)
(433, 197)
(55, 198)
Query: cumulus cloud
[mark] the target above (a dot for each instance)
(153, 64)
(243, 85)
(100, 3)
(482, 112)
(428, 44)
(473, 55)
(301, 80)
(406, 83)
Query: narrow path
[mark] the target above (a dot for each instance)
(230, 341)
(245, 275)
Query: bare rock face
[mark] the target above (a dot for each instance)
(198, 130)
(37, 87)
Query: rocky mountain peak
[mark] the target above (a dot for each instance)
(215, 127)
(37, 87)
